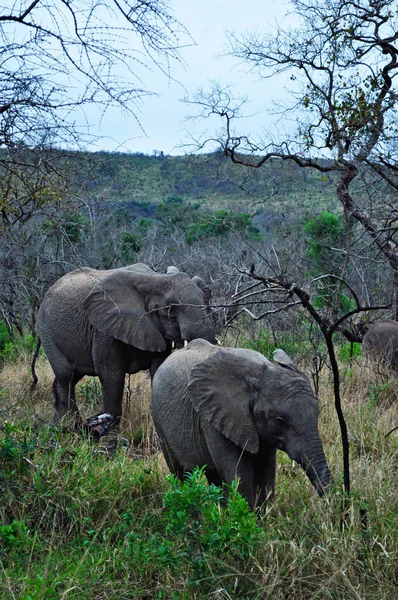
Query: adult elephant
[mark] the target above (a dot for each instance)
(229, 410)
(381, 342)
(109, 323)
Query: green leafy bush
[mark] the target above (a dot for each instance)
(348, 351)
(15, 446)
(221, 223)
(200, 533)
(11, 349)
(294, 344)
(15, 541)
(324, 231)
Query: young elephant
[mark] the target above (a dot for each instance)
(230, 409)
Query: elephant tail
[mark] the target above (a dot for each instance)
(36, 354)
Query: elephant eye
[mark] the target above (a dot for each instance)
(280, 420)
(172, 311)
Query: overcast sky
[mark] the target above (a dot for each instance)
(163, 117)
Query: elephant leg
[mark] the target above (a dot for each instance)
(233, 463)
(264, 468)
(64, 397)
(112, 383)
(158, 359)
(171, 461)
(213, 478)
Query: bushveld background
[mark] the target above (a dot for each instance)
(81, 521)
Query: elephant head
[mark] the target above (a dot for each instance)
(243, 409)
(249, 400)
(146, 309)
(381, 342)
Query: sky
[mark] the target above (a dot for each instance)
(163, 117)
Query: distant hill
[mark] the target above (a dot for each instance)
(141, 181)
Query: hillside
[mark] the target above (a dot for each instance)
(208, 179)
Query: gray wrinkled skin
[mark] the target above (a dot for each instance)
(381, 343)
(109, 323)
(230, 410)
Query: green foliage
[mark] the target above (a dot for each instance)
(326, 296)
(349, 350)
(206, 527)
(196, 178)
(324, 231)
(16, 447)
(130, 244)
(381, 392)
(15, 541)
(11, 349)
(73, 226)
(78, 524)
(4, 336)
(200, 533)
(221, 223)
(294, 344)
(173, 212)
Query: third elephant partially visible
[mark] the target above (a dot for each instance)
(380, 343)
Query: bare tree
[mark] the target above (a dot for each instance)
(271, 291)
(343, 65)
(57, 57)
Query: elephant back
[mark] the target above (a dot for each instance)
(63, 304)
(381, 341)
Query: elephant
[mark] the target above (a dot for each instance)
(109, 323)
(381, 342)
(229, 410)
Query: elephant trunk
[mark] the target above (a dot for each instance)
(316, 467)
(198, 326)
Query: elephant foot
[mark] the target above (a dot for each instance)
(98, 425)
(109, 446)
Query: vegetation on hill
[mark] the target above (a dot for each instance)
(206, 179)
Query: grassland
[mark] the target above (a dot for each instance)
(80, 523)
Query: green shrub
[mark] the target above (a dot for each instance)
(200, 535)
(349, 350)
(381, 392)
(15, 541)
(4, 336)
(15, 447)
(221, 223)
(294, 344)
(11, 349)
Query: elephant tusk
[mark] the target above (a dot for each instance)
(186, 343)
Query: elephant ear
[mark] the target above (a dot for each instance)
(204, 287)
(284, 360)
(222, 390)
(172, 269)
(137, 268)
(116, 308)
